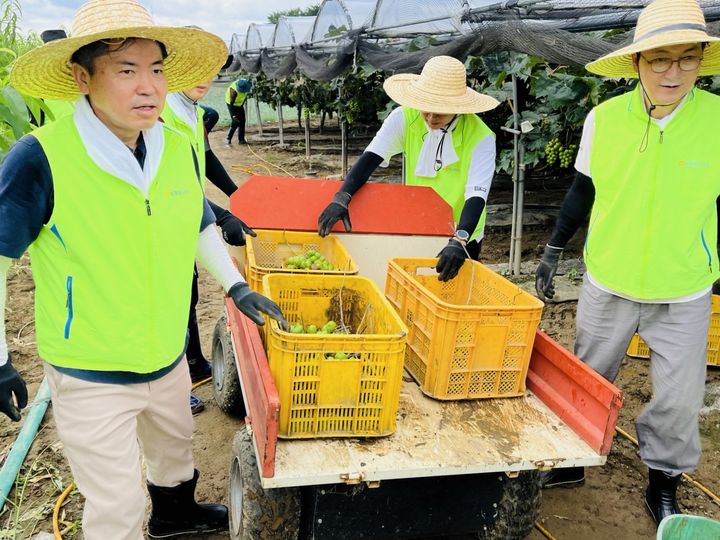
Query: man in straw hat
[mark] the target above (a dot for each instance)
(648, 169)
(109, 202)
(446, 146)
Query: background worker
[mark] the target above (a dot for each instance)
(183, 113)
(648, 169)
(110, 205)
(235, 97)
(446, 147)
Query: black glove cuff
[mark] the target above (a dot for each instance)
(239, 291)
(551, 255)
(455, 244)
(342, 198)
(222, 216)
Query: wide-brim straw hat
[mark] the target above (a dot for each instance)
(661, 24)
(194, 56)
(440, 88)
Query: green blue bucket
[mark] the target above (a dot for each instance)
(685, 527)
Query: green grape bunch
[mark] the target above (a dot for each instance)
(556, 152)
(552, 151)
(567, 155)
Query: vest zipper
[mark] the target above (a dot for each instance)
(661, 136)
(69, 306)
(707, 251)
(147, 206)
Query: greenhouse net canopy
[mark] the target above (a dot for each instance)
(290, 31)
(384, 33)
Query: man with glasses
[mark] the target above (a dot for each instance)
(649, 171)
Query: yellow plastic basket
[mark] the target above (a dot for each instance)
(266, 254)
(639, 349)
(470, 337)
(321, 396)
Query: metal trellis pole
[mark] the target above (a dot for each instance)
(259, 118)
(519, 211)
(516, 171)
(280, 121)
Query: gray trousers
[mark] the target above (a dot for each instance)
(677, 337)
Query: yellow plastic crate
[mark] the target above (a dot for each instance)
(470, 337)
(266, 253)
(321, 396)
(639, 349)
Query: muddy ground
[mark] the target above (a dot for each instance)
(608, 506)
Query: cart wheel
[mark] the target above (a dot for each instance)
(518, 508)
(257, 513)
(226, 384)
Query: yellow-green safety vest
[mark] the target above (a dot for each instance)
(195, 134)
(239, 98)
(451, 180)
(113, 268)
(653, 226)
(58, 109)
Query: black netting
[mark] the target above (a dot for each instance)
(251, 64)
(547, 29)
(278, 67)
(326, 64)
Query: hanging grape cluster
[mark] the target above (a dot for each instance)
(554, 151)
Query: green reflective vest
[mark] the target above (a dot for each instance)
(58, 109)
(653, 227)
(239, 98)
(451, 180)
(113, 268)
(195, 134)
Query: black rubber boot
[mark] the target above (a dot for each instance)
(661, 495)
(568, 477)
(175, 512)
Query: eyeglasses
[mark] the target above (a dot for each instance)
(685, 63)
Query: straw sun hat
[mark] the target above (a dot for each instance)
(663, 23)
(194, 56)
(440, 88)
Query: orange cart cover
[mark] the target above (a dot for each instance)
(294, 204)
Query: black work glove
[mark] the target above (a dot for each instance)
(251, 304)
(716, 287)
(336, 210)
(451, 260)
(12, 383)
(546, 272)
(233, 229)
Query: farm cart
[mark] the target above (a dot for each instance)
(449, 468)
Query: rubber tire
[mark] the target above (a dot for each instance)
(518, 508)
(226, 384)
(257, 513)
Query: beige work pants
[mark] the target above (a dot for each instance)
(103, 427)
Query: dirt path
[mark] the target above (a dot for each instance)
(609, 506)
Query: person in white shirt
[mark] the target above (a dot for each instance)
(446, 146)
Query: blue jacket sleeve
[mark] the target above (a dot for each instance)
(26, 196)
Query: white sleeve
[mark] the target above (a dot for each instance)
(388, 141)
(4, 267)
(213, 255)
(582, 161)
(482, 169)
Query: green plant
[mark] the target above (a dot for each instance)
(14, 118)
(555, 99)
